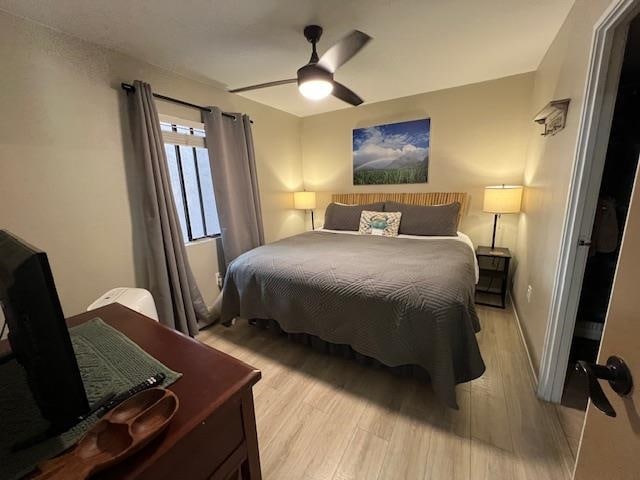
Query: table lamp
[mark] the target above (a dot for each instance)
(305, 201)
(501, 199)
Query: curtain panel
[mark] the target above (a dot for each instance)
(170, 279)
(235, 181)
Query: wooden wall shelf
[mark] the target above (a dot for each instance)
(553, 116)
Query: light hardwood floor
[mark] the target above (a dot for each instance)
(571, 421)
(326, 418)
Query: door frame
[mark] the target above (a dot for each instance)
(606, 57)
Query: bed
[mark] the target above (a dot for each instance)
(403, 301)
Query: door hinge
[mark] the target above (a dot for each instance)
(584, 243)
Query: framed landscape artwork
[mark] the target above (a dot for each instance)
(392, 153)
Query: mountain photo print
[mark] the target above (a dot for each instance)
(392, 153)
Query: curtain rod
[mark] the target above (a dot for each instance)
(127, 87)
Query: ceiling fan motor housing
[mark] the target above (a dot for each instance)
(312, 71)
(313, 33)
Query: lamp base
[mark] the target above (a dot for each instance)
(493, 237)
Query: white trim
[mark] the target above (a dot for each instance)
(200, 241)
(534, 373)
(595, 122)
(185, 139)
(180, 121)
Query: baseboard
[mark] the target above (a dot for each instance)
(534, 374)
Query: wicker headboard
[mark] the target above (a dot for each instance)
(422, 198)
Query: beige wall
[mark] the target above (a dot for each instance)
(479, 135)
(66, 183)
(547, 173)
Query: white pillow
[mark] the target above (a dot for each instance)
(379, 223)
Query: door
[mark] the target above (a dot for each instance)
(610, 446)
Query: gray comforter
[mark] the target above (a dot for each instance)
(400, 301)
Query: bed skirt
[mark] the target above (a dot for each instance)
(342, 350)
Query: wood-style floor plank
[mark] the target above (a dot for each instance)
(407, 453)
(362, 460)
(321, 417)
(383, 394)
(492, 463)
(536, 432)
(571, 421)
(488, 398)
(449, 454)
(334, 437)
(287, 454)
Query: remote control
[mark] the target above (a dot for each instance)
(150, 382)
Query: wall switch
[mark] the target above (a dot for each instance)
(219, 280)
(529, 291)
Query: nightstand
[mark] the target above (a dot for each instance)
(494, 276)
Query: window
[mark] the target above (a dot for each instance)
(190, 174)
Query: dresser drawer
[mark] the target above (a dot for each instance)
(231, 469)
(204, 449)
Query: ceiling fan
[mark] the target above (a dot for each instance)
(315, 79)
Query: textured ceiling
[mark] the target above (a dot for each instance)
(418, 46)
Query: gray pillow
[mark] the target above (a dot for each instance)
(347, 217)
(436, 220)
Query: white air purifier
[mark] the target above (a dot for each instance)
(137, 299)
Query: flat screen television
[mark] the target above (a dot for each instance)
(38, 333)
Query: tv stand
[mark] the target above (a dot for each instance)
(213, 434)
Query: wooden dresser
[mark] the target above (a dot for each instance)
(213, 435)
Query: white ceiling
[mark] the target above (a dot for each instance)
(418, 46)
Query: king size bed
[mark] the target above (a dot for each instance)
(405, 301)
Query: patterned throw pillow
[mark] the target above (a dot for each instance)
(379, 223)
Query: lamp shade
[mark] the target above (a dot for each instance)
(304, 200)
(502, 199)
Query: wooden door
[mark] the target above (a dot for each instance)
(610, 446)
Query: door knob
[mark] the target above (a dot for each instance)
(615, 372)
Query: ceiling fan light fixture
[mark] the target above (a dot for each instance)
(314, 82)
(315, 79)
(316, 89)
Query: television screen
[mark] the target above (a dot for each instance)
(38, 333)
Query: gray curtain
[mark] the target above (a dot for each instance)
(235, 182)
(170, 279)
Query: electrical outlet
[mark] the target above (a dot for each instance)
(219, 280)
(529, 292)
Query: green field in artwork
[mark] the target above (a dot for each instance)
(384, 177)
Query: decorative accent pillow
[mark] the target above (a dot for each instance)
(379, 223)
(339, 216)
(433, 220)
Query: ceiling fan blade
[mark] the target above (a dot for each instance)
(344, 50)
(263, 85)
(346, 95)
